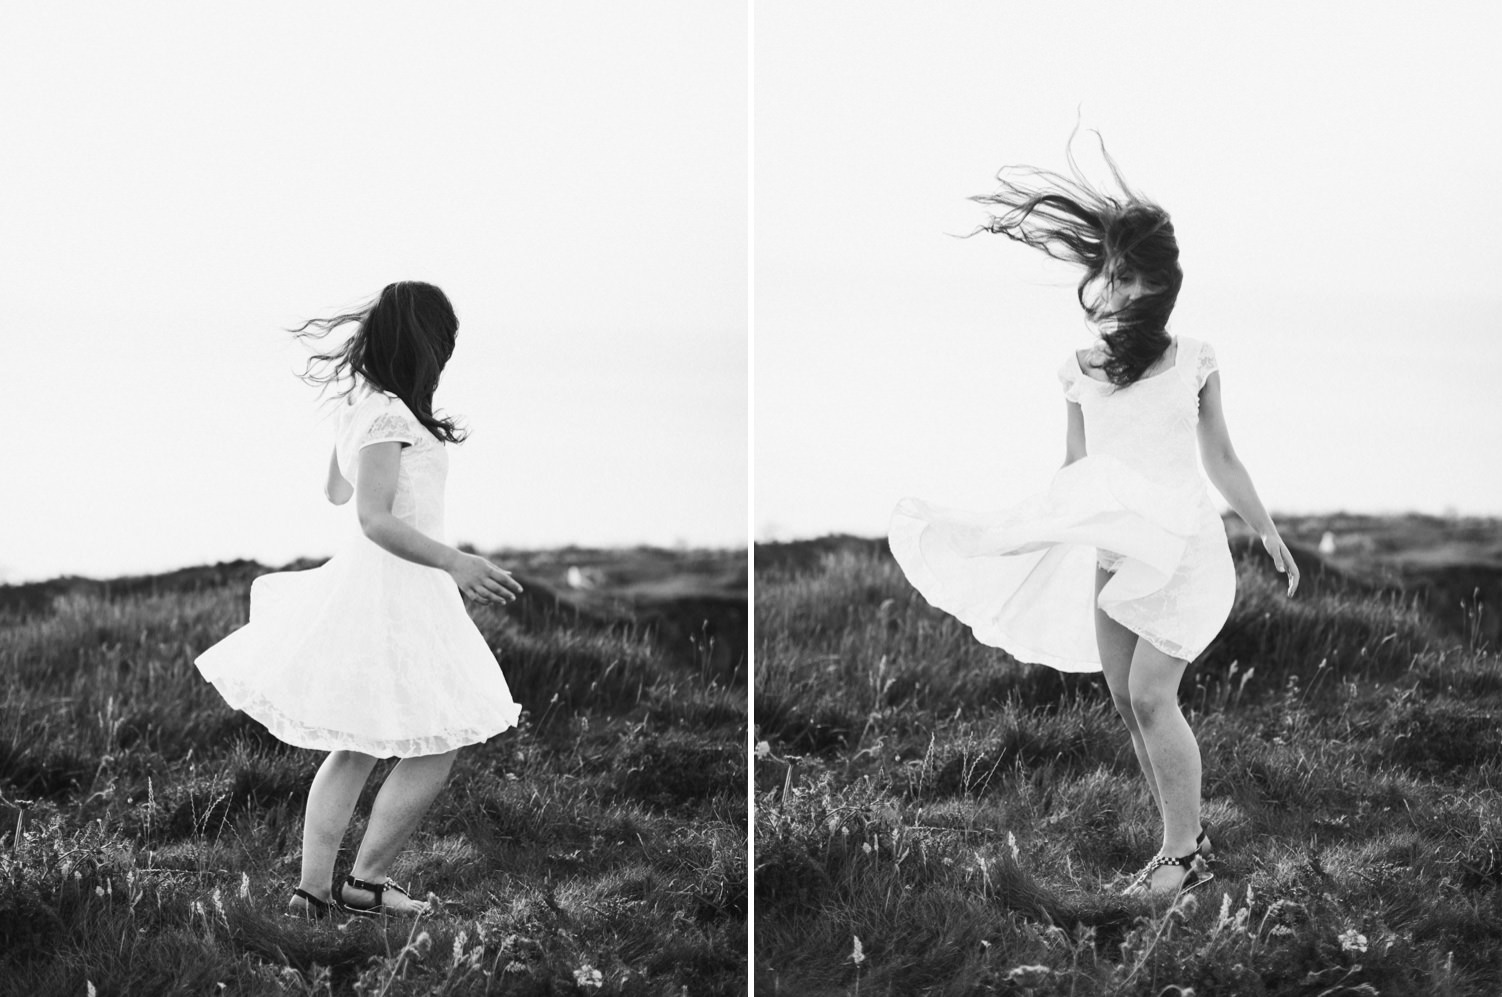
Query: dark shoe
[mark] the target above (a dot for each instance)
(1195, 873)
(376, 907)
(313, 908)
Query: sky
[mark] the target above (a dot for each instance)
(184, 181)
(1332, 173)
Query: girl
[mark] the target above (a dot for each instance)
(372, 654)
(1122, 565)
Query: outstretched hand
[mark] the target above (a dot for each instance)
(1278, 551)
(483, 582)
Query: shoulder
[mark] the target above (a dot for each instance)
(376, 417)
(1196, 359)
(1071, 372)
(371, 404)
(1204, 353)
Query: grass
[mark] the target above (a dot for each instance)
(934, 818)
(149, 834)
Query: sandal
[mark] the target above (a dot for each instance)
(1195, 873)
(377, 907)
(313, 909)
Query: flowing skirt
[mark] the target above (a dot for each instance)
(368, 652)
(1023, 579)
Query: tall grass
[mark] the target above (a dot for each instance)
(149, 835)
(933, 817)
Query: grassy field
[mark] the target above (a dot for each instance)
(149, 834)
(934, 818)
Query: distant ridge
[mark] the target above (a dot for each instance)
(1452, 566)
(693, 603)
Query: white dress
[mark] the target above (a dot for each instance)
(368, 652)
(1023, 579)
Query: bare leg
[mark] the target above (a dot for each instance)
(1154, 687)
(1116, 645)
(331, 800)
(403, 800)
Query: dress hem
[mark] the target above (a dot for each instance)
(299, 735)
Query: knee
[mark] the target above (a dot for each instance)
(1123, 703)
(1148, 707)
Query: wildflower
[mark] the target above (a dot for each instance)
(763, 749)
(1012, 844)
(98, 891)
(459, 941)
(218, 901)
(1225, 912)
(587, 976)
(1029, 976)
(421, 944)
(92, 991)
(857, 954)
(244, 886)
(1353, 941)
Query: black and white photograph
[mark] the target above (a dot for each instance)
(1127, 564)
(374, 575)
(800, 498)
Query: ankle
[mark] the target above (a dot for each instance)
(1174, 847)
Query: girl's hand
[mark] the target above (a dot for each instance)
(1278, 551)
(482, 581)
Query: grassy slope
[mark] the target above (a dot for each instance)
(971, 820)
(162, 830)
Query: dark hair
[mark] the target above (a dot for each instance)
(1113, 236)
(403, 341)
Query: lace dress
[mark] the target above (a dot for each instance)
(1023, 579)
(368, 652)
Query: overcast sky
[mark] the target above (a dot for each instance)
(1332, 171)
(183, 181)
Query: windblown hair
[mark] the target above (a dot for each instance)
(1114, 236)
(404, 339)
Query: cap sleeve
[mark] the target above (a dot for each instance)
(1205, 365)
(386, 421)
(1069, 377)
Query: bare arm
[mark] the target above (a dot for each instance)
(1074, 437)
(1230, 478)
(337, 489)
(375, 491)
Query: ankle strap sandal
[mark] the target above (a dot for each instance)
(316, 909)
(1195, 873)
(376, 907)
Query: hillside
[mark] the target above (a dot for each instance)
(933, 817)
(151, 834)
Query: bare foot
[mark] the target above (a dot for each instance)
(299, 906)
(394, 900)
(1166, 880)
